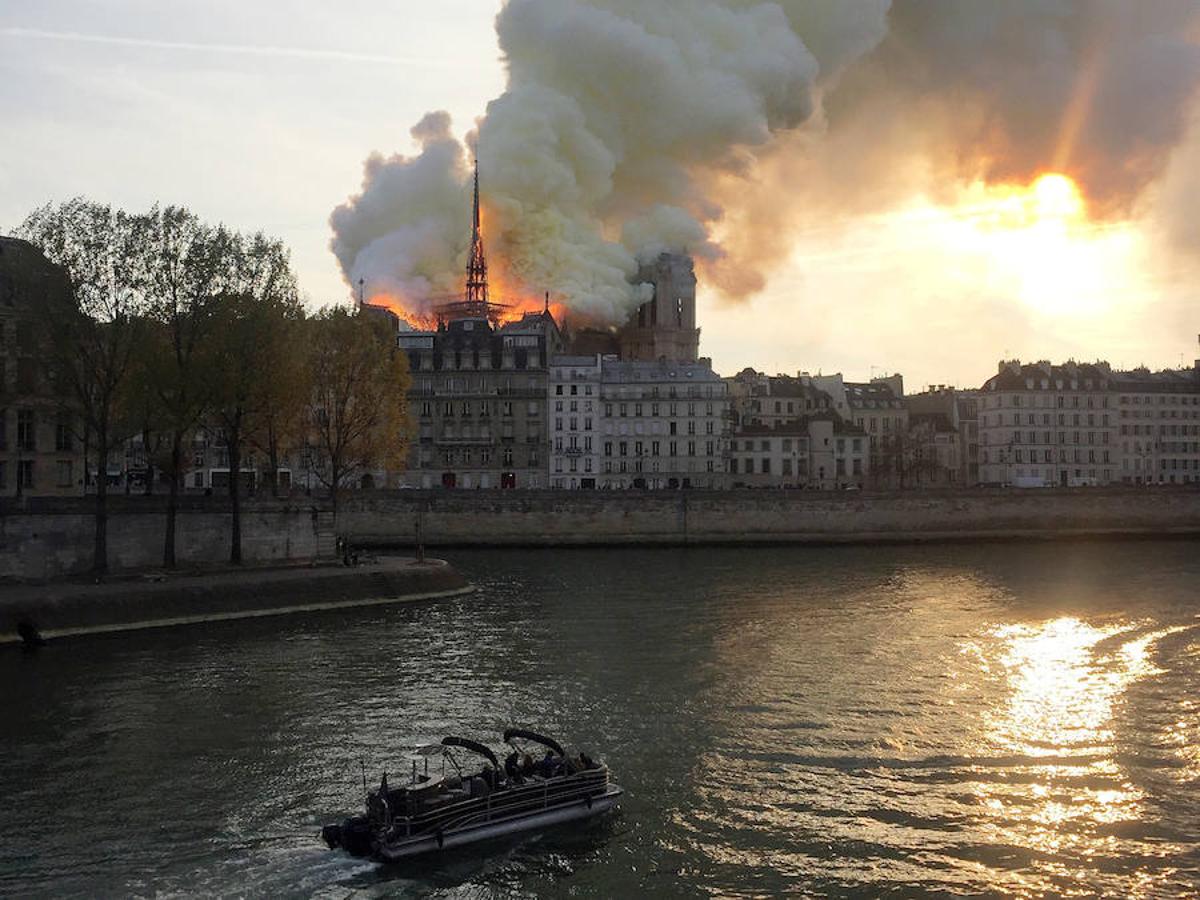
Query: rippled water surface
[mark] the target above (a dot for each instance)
(1015, 720)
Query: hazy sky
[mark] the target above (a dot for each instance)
(260, 114)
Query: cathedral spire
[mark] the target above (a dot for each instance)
(477, 280)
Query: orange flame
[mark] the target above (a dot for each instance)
(507, 290)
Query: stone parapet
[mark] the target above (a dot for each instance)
(483, 518)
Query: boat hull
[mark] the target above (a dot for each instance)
(575, 810)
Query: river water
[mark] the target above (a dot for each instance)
(1007, 720)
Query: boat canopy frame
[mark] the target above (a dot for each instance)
(512, 734)
(473, 746)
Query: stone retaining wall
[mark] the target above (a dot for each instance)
(64, 609)
(43, 539)
(447, 518)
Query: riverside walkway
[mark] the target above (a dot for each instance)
(153, 600)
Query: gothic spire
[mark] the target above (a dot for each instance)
(477, 280)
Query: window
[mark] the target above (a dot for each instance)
(26, 437)
(25, 474)
(26, 375)
(65, 475)
(63, 437)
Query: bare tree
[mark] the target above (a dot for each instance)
(253, 343)
(357, 407)
(185, 269)
(93, 328)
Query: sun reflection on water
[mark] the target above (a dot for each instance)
(920, 743)
(1061, 700)
(1066, 677)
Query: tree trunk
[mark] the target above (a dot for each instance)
(273, 463)
(100, 548)
(173, 499)
(335, 482)
(234, 439)
(148, 487)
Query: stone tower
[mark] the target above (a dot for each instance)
(665, 327)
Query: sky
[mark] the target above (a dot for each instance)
(260, 115)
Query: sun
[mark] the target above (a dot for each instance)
(1037, 243)
(1056, 197)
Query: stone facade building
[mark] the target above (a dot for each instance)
(575, 420)
(960, 411)
(786, 433)
(877, 408)
(1158, 416)
(772, 401)
(478, 398)
(815, 452)
(662, 425)
(664, 328)
(1044, 425)
(41, 442)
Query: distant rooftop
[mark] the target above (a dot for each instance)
(630, 371)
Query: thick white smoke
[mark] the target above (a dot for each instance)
(618, 116)
(714, 126)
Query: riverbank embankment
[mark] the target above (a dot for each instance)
(48, 538)
(62, 609)
(685, 518)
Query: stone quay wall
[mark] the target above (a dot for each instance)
(46, 538)
(482, 518)
(66, 609)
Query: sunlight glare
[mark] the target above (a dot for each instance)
(1056, 197)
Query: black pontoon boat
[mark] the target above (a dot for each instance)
(462, 805)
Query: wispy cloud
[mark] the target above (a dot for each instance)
(239, 49)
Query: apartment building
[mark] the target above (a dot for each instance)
(814, 452)
(574, 413)
(1043, 425)
(41, 442)
(937, 414)
(1158, 416)
(662, 425)
(478, 396)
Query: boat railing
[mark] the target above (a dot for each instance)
(511, 801)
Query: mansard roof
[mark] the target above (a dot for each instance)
(1044, 376)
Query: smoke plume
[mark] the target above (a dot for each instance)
(716, 127)
(1097, 89)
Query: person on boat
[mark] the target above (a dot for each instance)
(512, 768)
(548, 766)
